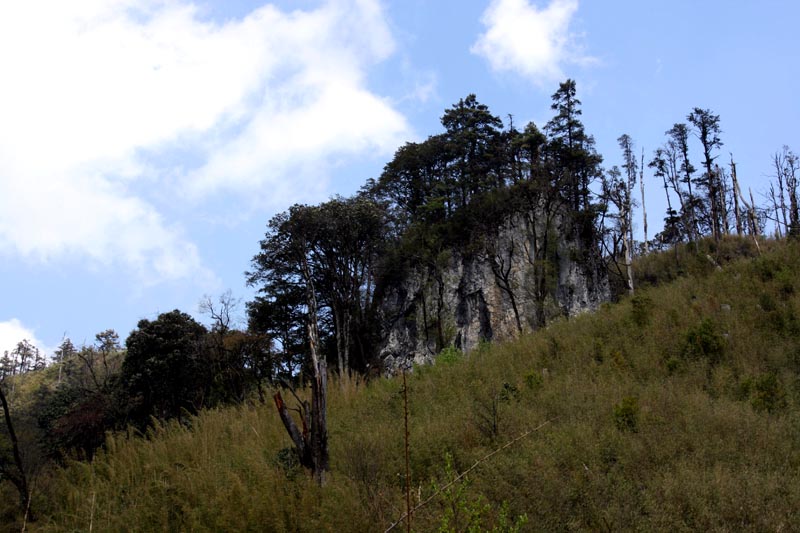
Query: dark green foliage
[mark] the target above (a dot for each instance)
(534, 380)
(74, 422)
(488, 409)
(164, 373)
(626, 414)
(452, 191)
(338, 243)
(641, 309)
(704, 342)
(287, 461)
(765, 393)
(707, 129)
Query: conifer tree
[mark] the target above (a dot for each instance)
(708, 130)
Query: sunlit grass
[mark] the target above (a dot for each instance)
(650, 429)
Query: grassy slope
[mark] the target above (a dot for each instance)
(678, 410)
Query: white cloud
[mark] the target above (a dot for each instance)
(314, 107)
(13, 332)
(94, 88)
(532, 42)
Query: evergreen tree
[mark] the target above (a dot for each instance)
(574, 163)
(163, 372)
(473, 136)
(707, 129)
(679, 136)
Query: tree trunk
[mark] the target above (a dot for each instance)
(736, 194)
(626, 249)
(319, 423)
(18, 478)
(319, 387)
(337, 326)
(311, 446)
(502, 274)
(299, 439)
(644, 210)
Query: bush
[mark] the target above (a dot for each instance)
(768, 394)
(703, 342)
(449, 356)
(626, 414)
(641, 309)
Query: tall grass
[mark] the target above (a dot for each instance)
(675, 410)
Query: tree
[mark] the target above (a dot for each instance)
(342, 240)
(473, 134)
(279, 315)
(708, 130)
(238, 359)
(787, 168)
(665, 166)
(26, 357)
(97, 359)
(630, 167)
(163, 372)
(617, 192)
(572, 148)
(679, 136)
(413, 178)
(620, 192)
(529, 147)
(62, 354)
(12, 467)
(7, 365)
(289, 253)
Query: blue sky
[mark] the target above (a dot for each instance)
(144, 144)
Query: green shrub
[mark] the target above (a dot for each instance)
(785, 281)
(470, 515)
(704, 342)
(626, 414)
(673, 364)
(766, 301)
(768, 394)
(534, 380)
(286, 460)
(641, 309)
(449, 356)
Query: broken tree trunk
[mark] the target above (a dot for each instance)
(298, 439)
(644, 210)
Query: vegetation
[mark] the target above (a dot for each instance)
(676, 410)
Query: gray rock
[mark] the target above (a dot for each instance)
(471, 297)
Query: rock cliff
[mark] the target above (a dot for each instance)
(527, 271)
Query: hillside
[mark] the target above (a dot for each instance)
(678, 410)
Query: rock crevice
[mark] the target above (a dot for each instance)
(522, 275)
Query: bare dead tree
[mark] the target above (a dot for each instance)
(777, 209)
(785, 163)
(735, 194)
(777, 197)
(644, 209)
(221, 312)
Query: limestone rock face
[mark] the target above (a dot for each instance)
(521, 276)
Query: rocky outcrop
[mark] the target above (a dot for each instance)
(526, 272)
